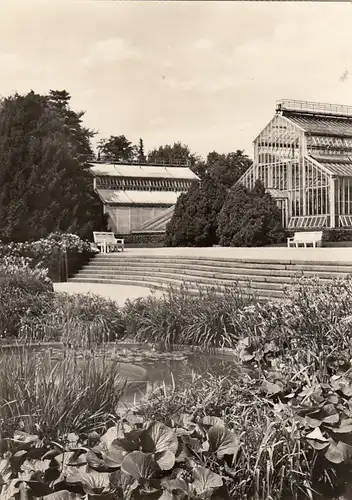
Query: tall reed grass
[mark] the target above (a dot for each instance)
(40, 393)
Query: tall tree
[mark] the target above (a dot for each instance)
(227, 168)
(116, 149)
(194, 222)
(175, 153)
(140, 151)
(249, 218)
(195, 219)
(45, 185)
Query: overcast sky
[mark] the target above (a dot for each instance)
(204, 73)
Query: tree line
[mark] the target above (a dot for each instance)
(46, 185)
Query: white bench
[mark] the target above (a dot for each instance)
(106, 242)
(306, 239)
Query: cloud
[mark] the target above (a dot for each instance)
(111, 50)
(203, 44)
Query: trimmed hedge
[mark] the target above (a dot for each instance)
(143, 239)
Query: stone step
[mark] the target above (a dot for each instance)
(229, 273)
(163, 285)
(193, 275)
(162, 277)
(232, 263)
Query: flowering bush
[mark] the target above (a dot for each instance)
(50, 253)
(25, 291)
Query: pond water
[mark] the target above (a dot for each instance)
(144, 366)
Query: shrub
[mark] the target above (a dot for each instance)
(249, 218)
(24, 292)
(49, 253)
(194, 221)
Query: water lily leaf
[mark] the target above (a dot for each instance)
(222, 441)
(140, 465)
(317, 435)
(93, 483)
(345, 426)
(158, 437)
(210, 421)
(338, 453)
(165, 460)
(205, 480)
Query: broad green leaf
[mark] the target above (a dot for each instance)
(95, 462)
(318, 445)
(345, 427)
(110, 435)
(25, 438)
(165, 460)
(62, 495)
(93, 483)
(338, 453)
(113, 458)
(123, 483)
(158, 437)
(140, 465)
(177, 485)
(317, 435)
(222, 441)
(271, 389)
(210, 421)
(205, 480)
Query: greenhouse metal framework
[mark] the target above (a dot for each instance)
(304, 159)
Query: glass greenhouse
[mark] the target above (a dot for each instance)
(304, 159)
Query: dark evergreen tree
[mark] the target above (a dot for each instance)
(194, 222)
(45, 184)
(249, 218)
(140, 151)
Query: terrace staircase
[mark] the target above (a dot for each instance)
(261, 277)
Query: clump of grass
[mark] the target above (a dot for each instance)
(204, 318)
(39, 393)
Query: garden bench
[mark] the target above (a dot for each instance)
(306, 239)
(106, 242)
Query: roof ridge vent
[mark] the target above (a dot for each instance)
(310, 107)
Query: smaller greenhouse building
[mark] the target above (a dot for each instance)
(304, 159)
